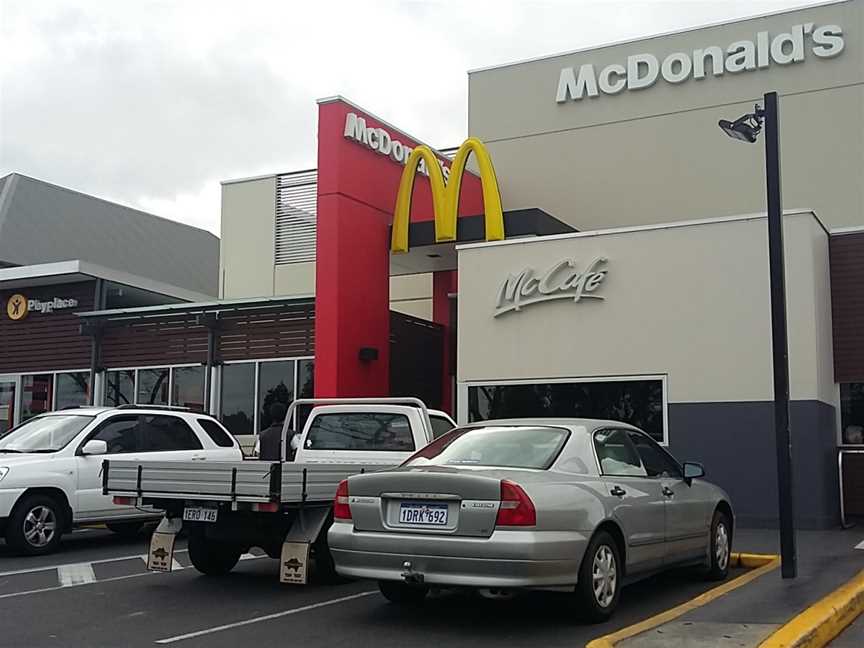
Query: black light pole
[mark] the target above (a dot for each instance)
(747, 129)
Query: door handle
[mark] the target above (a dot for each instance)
(618, 492)
(668, 492)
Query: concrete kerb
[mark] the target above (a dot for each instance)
(759, 563)
(820, 623)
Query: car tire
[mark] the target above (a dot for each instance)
(212, 557)
(402, 593)
(720, 547)
(36, 525)
(602, 565)
(325, 566)
(127, 530)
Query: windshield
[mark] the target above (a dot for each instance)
(44, 433)
(505, 447)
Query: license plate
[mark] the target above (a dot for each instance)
(424, 514)
(200, 514)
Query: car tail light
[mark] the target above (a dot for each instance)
(341, 509)
(516, 508)
(266, 507)
(124, 501)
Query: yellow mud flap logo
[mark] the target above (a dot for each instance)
(161, 556)
(293, 565)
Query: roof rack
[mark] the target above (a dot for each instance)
(170, 408)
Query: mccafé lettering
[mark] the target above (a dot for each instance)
(563, 280)
(380, 141)
(642, 70)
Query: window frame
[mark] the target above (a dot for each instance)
(135, 382)
(463, 387)
(623, 430)
(841, 430)
(395, 415)
(663, 451)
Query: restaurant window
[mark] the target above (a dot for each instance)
(852, 413)
(187, 387)
(275, 385)
(119, 387)
(36, 395)
(238, 397)
(73, 389)
(7, 404)
(637, 402)
(249, 389)
(153, 386)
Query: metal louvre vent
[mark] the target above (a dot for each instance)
(296, 216)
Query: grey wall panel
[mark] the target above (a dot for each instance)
(735, 442)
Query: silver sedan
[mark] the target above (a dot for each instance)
(536, 503)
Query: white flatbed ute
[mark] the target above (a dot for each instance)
(285, 508)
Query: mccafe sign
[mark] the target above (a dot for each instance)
(562, 280)
(18, 306)
(643, 70)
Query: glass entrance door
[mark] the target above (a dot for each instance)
(8, 392)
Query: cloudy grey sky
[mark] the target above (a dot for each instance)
(152, 102)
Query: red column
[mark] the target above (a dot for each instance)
(443, 284)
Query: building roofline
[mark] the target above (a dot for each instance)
(267, 176)
(674, 32)
(112, 203)
(641, 228)
(204, 306)
(78, 267)
(854, 229)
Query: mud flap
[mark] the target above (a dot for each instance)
(161, 555)
(294, 562)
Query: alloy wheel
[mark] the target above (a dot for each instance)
(604, 574)
(721, 546)
(40, 526)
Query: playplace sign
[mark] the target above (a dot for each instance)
(642, 71)
(18, 306)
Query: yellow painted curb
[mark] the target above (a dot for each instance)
(821, 622)
(761, 563)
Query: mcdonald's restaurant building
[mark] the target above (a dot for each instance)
(625, 275)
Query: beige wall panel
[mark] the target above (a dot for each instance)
(294, 279)
(655, 155)
(690, 302)
(421, 308)
(246, 256)
(411, 286)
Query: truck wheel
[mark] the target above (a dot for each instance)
(325, 566)
(212, 557)
(402, 593)
(125, 529)
(36, 525)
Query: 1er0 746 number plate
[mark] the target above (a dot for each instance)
(423, 514)
(200, 514)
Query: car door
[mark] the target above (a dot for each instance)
(636, 500)
(687, 525)
(157, 437)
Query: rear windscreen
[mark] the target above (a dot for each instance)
(360, 431)
(505, 447)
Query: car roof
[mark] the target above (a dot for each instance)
(589, 423)
(95, 410)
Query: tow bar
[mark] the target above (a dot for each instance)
(409, 575)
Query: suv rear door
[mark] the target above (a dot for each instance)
(160, 437)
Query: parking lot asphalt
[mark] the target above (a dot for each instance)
(97, 592)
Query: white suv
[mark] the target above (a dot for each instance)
(51, 467)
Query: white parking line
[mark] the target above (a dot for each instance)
(79, 574)
(100, 561)
(60, 587)
(267, 617)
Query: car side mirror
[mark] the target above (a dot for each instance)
(693, 470)
(95, 447)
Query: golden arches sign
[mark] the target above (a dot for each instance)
(445, 197)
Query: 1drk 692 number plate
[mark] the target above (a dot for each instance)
(424, 514)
